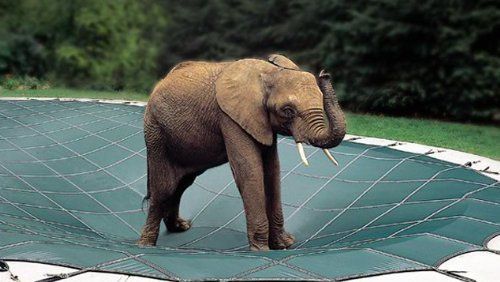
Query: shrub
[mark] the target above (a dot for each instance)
(90, 44)
(22, 55)
(22, 83)
(433, 58)
(420, 58)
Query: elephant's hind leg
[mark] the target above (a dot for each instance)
(171, 218)
(162, 183)
(151, 229)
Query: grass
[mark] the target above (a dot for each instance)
(75, 93)
(476, 139)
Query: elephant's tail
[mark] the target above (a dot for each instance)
(148, 193)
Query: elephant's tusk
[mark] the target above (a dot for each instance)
(329, 155)
(300, 147)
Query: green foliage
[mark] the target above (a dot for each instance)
(417, 57)
(426, 58)
(84, 43)
(21, 54)
(437, 58)
(22, 83)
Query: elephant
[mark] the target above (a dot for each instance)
(204, 114)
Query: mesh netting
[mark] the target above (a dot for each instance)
(73, 175)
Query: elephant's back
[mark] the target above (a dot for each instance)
(189, 88)
(189, 79)
(184, 105)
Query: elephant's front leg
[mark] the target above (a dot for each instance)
(278, 237)
(245, 159)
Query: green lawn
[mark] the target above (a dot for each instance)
(74, 93)
(476, 139)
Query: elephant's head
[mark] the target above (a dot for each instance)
(276, 96)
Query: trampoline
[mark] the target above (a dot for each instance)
(73, 175)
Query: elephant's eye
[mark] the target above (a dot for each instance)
(288, 111)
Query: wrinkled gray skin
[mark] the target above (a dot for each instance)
(204, 114)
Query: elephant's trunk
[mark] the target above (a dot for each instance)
(323, 128)
(327, 127)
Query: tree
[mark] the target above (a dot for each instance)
(92, 44)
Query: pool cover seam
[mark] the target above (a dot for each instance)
(89, 133)
(72, 126)
(80, 243)
(272, 261)
(55, 119)
(40, 234)
(389, 181)
(355, 200)
(95, 164)
(406, 222)
(74, 156)
(15, 205)
(139, 104)
(351, 248)
(215, 197)
(78, 126)
(392, 208)
(96, 267)
(324, 185)
(127, 256)
(104, 117)
(34, 114)
(240, 213)
(73, 141)
(31, 232)
(417, 222)
(71, 210)
(113, 238)
(357, 244)
(74, 184)
(50, 223)
(52, 103)
(327, 235)
(75, 193)
(443, 208)
(333, 177)
(435, 268)
(453, 240)
(353, 243)
(290, 257)
(99, 169)
(385, 159)
(43, 195)
(340, 153)
(238, 197)
(356, 207)
(486, 186)
(96, 133)
(18, 244)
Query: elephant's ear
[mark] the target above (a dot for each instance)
(240, 94)
(282, 61)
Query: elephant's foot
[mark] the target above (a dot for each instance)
(281, 241)
(178, 225)
(259, 241)
(147, 239)
(145, 243)
(258, 247)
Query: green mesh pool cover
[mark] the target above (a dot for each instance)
(72, 178)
